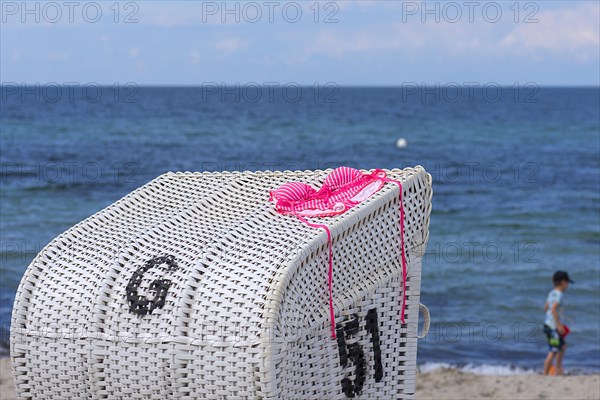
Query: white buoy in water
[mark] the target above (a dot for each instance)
(401, 143)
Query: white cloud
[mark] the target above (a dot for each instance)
(106, 45)
(347, 5)
(229, 45)
(397, 37)
(140, 66)
(195, 57)
(57, 56)
(134, 52)
(573, 32)
(170, 14)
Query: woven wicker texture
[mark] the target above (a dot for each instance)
(192, 286)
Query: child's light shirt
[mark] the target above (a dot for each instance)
(555, 296)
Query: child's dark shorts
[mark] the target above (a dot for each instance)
(555, 341)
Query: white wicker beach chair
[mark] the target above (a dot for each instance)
(194, 287)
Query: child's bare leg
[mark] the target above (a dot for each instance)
(559, 359)
(548, 362)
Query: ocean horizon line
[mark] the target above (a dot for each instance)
(306, 85)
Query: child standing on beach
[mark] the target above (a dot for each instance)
(553, 328)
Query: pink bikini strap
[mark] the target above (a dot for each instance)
(329, 244)
(330, 274)
(403, 307)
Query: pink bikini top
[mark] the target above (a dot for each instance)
(342, 189)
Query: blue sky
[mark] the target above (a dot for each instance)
(348, 43)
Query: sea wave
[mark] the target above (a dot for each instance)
(478, 369)
(493, 369)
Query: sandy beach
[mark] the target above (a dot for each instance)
(7, 387)
(447, 383)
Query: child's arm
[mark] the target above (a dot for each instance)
(559, 326)
(545, 306)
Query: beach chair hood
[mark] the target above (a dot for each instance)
(195, 286)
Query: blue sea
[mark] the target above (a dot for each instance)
(516, 175)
